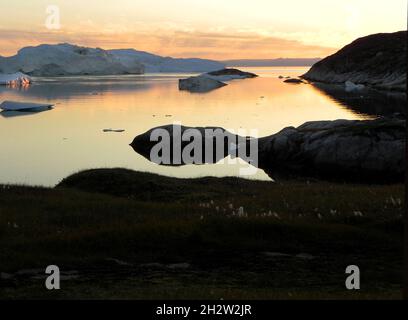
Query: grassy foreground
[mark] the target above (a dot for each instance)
(116, 233)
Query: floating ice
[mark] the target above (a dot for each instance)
(24, 106)
(14, 79)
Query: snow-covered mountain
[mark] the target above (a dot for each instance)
(155, 63)
(67, 59)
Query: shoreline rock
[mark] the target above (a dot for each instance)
(378, 60)
(344, 150)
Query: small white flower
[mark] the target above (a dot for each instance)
(358, 213)
(241, 212)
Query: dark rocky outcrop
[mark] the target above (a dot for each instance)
(232, 72)
(143, 145)
(341, 150)
(378, 60)
(346, 150)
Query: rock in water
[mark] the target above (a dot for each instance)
(144, 143)
(378, 60)
(294, 80)
(346, 150)
(200, 84)
(230, 74)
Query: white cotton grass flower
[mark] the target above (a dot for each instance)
(358, 213)
(242, 213)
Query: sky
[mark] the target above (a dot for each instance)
(214, 29)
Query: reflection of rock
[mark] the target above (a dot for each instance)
(367, 101)
(344, 150)
(213, 80)
(378, 60)
(200, 84)
(294, 80)
(372, 150)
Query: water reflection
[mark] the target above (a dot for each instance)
(367, 101)
(51, 145)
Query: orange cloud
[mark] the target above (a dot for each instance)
(212, 45)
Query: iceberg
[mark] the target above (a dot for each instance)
(65, 60)
(200, 84)
(14, 79)
(69, 60)
(24, 106)
(212, 80)
(351, 86)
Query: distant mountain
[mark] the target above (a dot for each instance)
(67, 59)
(155, 63)
(378, 60)
(271, 62)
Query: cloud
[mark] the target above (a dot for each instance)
(178, 43)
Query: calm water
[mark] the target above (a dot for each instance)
(43, 148)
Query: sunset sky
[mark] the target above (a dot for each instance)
(216, 29)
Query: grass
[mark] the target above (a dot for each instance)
(123, 231)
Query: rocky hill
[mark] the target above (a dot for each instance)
(155, 63)
(378, 60)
